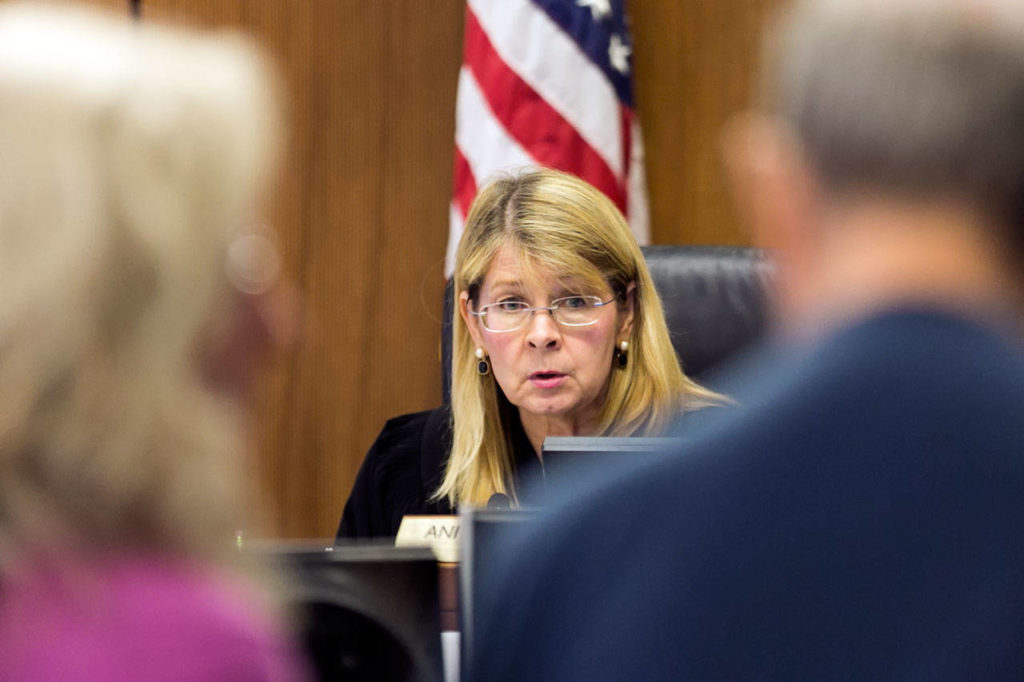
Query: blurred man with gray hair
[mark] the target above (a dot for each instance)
(861, 515)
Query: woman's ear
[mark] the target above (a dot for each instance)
(627, 312)
(470, 320)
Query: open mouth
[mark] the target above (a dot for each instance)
(546, 375)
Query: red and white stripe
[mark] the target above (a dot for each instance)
(528, 96)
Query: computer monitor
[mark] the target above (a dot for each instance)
(366, 612)
(485, 532)
(482, 532)
(568, 456)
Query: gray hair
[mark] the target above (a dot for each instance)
(923, 98)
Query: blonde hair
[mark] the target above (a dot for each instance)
(131, 155)
(557, 223)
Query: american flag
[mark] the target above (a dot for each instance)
(548, 83)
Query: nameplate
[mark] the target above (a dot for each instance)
(440, 533)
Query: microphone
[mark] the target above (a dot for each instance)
(498, 501)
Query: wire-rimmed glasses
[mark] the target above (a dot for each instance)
(569, 311)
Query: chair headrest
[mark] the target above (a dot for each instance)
(713, 297)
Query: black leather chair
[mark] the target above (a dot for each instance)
(714, 300)
(713, 296)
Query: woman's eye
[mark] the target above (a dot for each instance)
(574, 302)
(510, 306)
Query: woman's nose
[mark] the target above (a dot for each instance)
(542, 331)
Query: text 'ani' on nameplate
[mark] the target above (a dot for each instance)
(441, 533)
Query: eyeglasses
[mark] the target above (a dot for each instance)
(253, 261)
(570, 311)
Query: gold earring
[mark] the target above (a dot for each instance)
(483, 368)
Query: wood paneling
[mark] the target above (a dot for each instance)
(362, 202)
(363, 211)
(117, 6)
(694, 67)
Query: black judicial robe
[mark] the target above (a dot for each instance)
(404, 467)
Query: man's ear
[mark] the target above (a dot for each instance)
(470, 320)
(777, 195)
(771, 182)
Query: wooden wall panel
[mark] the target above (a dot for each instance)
(362, 202)
(116, 6)
(694, 67)
(362, 210)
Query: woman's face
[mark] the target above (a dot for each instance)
(547, 369)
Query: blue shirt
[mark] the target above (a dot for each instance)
(860, 516)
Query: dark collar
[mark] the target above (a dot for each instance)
(524, 457)
(436, 444)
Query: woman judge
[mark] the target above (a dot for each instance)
(558, 332)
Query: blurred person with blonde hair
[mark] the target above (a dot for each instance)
(558, 331)
(134, 302)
